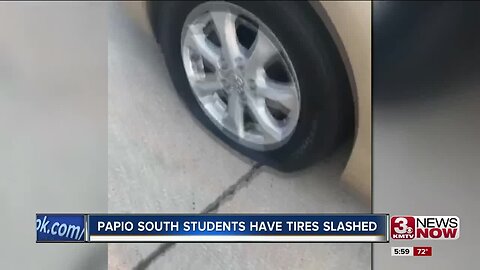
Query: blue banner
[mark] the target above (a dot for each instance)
(60, 227)
(237, 228)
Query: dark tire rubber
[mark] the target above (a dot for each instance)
(327, 109)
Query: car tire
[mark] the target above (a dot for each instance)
(326, 105)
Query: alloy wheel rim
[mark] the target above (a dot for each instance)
(241, 75)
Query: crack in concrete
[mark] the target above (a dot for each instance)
(226, 195)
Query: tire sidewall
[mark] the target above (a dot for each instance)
(311, 52)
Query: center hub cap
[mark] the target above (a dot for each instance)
(235, 83)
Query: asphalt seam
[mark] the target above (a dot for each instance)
(226, 195)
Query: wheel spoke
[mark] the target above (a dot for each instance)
(207, 85)
(265, 120)
(235, 114)
(284, 93)
(208, 101)
(262, 51)
(227, 33)
(198, 41)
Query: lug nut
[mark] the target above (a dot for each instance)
(251, 82)
(243, 97)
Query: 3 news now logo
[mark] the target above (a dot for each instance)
(425, 227)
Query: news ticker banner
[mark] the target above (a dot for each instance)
(61, 227)
(368, 228)
(111, 228)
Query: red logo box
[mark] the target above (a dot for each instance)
(402, 227)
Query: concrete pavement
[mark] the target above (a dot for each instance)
(162, 160)
(53, 157)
